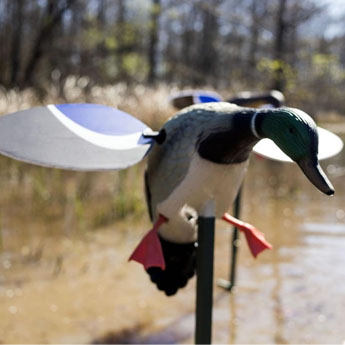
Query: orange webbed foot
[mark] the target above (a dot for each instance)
(255, 239)
(149, 251)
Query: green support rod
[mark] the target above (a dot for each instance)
(204, 288)
(230, 284)
(234, 244)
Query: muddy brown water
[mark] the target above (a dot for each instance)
(59, 286)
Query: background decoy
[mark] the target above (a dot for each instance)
(199, 154)
(271, 98)
(185, 98)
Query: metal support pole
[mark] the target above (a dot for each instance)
(234, 245)
(204, 284)
(230, 284)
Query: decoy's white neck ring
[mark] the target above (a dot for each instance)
(252, 125)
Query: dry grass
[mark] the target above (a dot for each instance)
(148, 104)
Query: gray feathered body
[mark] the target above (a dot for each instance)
(179, 180)
(203, 158)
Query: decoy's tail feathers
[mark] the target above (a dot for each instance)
(180, 261)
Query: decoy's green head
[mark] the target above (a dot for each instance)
(296, 134)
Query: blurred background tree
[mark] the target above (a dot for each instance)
(296, 46)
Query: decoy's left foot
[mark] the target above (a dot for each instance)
(180, 259)
(255, 239)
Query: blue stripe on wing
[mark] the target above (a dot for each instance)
(102, 119)
(208, 98)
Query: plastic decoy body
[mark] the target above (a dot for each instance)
(205, 156)
(271, 98)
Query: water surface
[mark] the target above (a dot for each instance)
(64, 275)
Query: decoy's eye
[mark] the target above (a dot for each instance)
(291, 130)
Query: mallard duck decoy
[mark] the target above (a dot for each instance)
(198, 155)
(204, 156)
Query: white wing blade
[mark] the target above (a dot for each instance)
(329, 146)
(86, 137)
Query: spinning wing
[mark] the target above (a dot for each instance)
(329, 146)
(74, 136)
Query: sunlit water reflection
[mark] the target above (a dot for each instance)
(77, 286)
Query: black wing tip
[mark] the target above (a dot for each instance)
(330, 192)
